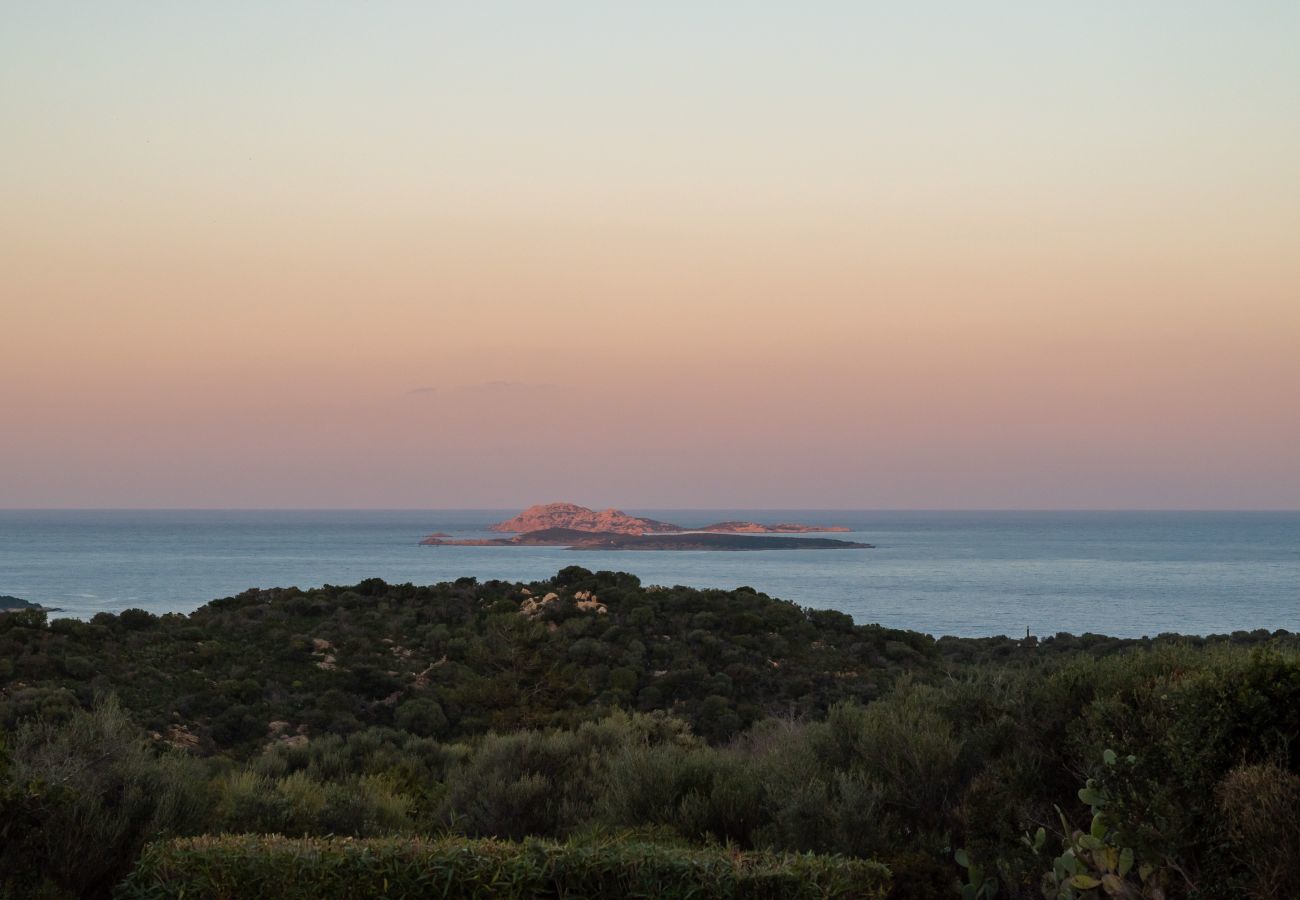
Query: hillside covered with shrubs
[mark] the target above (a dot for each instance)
(590, 717)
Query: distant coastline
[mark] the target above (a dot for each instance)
(17, 604)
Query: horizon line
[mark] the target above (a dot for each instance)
(832, 509)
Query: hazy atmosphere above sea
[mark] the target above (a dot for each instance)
(946, 255)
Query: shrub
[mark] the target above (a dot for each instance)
(85, 795)
(238, 866)
(136, 619)
(528, 783)
(1262, 806)
(360, 806)
(421, 716)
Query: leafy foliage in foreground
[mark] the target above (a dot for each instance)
(1192, 746)
(245, 866)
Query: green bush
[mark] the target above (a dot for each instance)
(1261, 805)
(379, 711)
(246, 866)
(79, 799)
(456, 660)
(360, 806)
(542, 783)
(422, 716)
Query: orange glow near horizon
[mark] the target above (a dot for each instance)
(627, 266)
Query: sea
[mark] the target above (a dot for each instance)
(945, 573)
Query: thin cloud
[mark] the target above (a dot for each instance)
(493, 387)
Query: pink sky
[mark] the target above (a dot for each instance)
(640, 269)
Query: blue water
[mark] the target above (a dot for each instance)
(961, 573)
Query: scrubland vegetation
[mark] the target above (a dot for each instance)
(588, 736)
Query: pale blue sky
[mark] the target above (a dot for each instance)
(963, 254)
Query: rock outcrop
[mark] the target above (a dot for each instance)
(759, 528)
(580, 518)
(547, 516)
(585, 601)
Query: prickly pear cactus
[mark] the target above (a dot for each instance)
(977, 885)
(1094, 864)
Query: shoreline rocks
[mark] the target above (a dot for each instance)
(574, 539)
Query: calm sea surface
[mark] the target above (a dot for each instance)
(962, 573)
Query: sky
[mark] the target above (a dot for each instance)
(680, 254)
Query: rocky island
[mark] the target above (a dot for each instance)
(545, 516)
(615, 521)
(580, 528)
